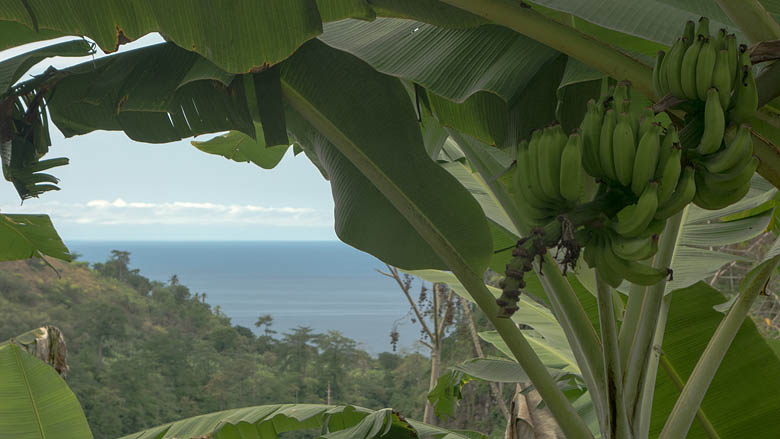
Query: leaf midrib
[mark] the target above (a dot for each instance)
(360, 160)
(15, 349)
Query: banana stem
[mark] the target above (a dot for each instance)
(491, 309)
(599, 55)
(681, 418)
(630, 320)
(644, 405)
(752, 19)
(617, 417)
(568, 419)
(580, 333)
(648, 319)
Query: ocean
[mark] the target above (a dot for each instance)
(326, 285)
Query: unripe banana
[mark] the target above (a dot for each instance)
(591, 131)
(659, 87)
(622, 91)
(550, 163)
(656, 227)
(689, 32)
(623, 149)
(605, 270)
(670, 175)
(745, 98)
(704, 68)
(635, 272)
(571, 183)
(632, 220)
(714, 124)
(646, 160)
(704, 27)
(521, 178)
(606, 91)
(721, 78)
(673, 64)
(716, 197)
(634, 249)
(736, 153)
(719, 39)
(671, 139)
(534, 160)
(605, 145)
(646, 121)
(682, 195)
(731, 48)
(731, 178)
(688, 68)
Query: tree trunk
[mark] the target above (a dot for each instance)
(530, 421)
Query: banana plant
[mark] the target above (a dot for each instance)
(484, 71)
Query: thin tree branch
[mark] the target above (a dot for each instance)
(447, 311)
(400, 283)
(436, 304)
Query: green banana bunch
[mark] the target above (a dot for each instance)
(723, 178)
(604, 252)
(697, 62)
(548, 177)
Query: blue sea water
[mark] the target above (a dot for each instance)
(325, 285)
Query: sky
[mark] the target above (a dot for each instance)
(121, 190)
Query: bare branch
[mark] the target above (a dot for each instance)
(403, 287)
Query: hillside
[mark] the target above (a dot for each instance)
(143, 353)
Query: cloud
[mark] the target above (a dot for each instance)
(121, 212)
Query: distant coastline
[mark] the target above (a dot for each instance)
(326, 285)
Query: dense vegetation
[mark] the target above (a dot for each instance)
(143, 353)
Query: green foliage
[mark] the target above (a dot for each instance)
(27, 236)
(144, 353)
